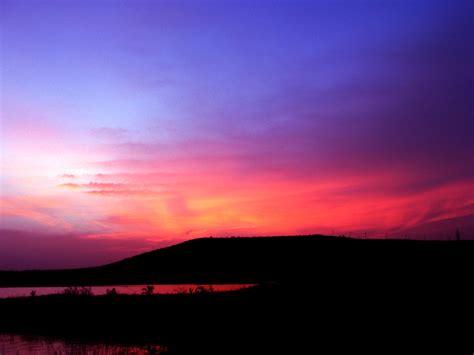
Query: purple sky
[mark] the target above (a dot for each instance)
(128, 125)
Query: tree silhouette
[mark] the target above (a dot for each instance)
(111, 292)
(458, 234)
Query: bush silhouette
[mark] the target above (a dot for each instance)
(111, 292)
(77, 291)
(201, 289)
(148, 290)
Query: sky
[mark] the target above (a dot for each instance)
(131, 125)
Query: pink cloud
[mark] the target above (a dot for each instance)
(119, 192)
(70, 186)
(39, 209)
(103, 185)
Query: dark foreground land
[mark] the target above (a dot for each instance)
(318, 295)
(269, 259)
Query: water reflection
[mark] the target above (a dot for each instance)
(22, 344)
(121, 289)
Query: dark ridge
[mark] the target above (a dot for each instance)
(265, 259)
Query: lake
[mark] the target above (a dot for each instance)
(21, 344)
(121, 289)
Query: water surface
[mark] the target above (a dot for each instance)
(121, 289)
(22, 344)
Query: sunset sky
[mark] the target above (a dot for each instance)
(130, 125)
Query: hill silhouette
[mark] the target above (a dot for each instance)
(315, 292)
(267, 259)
